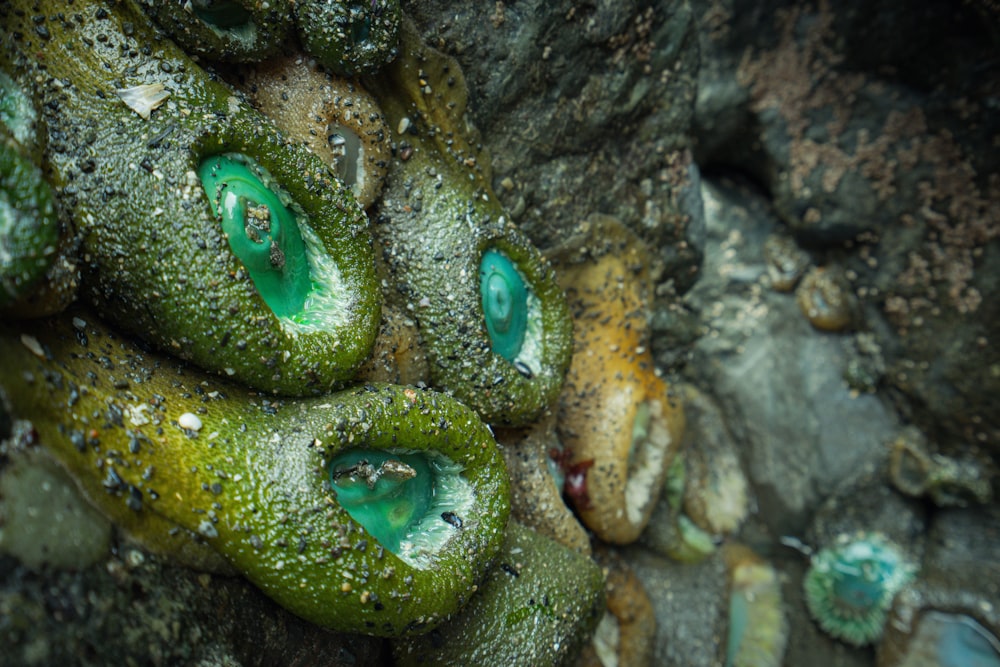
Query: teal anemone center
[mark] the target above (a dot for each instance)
(505, 303)
(850, 586)
(862, 579)
(388, 493)
(860, 587)
(222, 15)
(360, 25)
(262, 231)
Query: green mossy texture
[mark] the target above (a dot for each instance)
(436, 218)
(267, 27)
(154, 258)
(252, 481)
(349, 37)
(29, 228)
(537, 607)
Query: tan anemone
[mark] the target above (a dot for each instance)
(336, 118)
(536, 485)
(616, 414)
(758, 632)
(626, 634)
(716, 490)
(825, 298)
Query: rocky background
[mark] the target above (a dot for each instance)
(859, 141)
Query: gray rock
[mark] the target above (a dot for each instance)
(691, 603)
(872, 126)
(586, 109)
(43, 519)
(780, 382)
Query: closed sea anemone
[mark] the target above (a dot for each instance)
(334, 117)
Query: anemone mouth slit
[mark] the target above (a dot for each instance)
(411, 502)
(226, 19)
(646, 458)
(348, 155)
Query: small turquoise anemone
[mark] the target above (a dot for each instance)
(850, 586)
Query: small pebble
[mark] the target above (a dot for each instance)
(189, 421)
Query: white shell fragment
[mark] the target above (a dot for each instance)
(145, 98)
(189, 421)
(32, 344)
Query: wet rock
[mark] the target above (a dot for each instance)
(779, 382)
(134, 609)
(873, 133)
(585, 109)
(43, 519)
(952, 614)
(691, 603)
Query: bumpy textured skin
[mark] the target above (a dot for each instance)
(537, 607)
(304, 101)
(29, 229)
(155, 260)
(437, 216)
(252, 482)
(267, 26)
(349, 37)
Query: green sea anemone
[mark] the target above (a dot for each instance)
(850, 585)
(163, 258)
(349, 36)
(229, 30)
(375, 510)
(537, 606)
(494, 322)
(29, 229)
